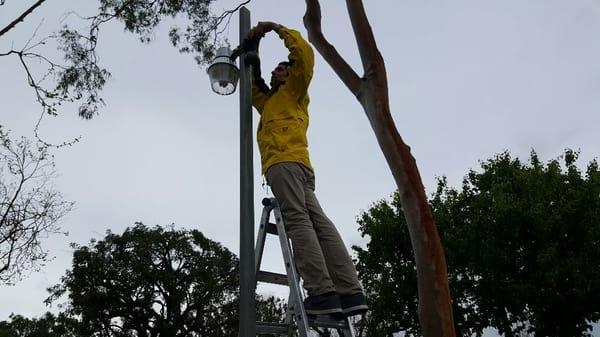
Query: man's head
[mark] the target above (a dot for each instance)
(279, 74)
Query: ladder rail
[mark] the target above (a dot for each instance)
(293, 278)
(261, 237)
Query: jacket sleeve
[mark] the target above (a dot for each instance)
(258, 97)
(302, 58)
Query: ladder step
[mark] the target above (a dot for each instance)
(274, 278)
(272, 328)
(271, 228)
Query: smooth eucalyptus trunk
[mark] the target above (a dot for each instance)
(371, 90)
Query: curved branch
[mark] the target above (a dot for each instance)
(312, 22)
(227, 15)
(21, 17)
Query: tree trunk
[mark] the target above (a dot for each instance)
(435, 307)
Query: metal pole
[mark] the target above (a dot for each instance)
(247, 277)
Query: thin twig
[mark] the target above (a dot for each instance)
(226, 14)
(41, 93)
(46, 144)
(34, 34)
(39, 43)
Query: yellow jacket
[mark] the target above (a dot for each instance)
(281, 133)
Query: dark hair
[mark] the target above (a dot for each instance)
(286, 63)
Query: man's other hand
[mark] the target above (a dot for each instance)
(262, 28)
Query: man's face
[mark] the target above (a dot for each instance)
(278, 75)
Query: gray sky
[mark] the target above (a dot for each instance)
(467, 79)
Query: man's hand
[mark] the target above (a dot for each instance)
(262, 28)
(252, 59)
(252, 39)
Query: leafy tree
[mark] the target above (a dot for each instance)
(48, 325)
(155, 282)
(522, 242)
(269, 309)
(79, 77)
(30, 208)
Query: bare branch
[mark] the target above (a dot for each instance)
(367, 46)
(9, 53)
(226, 15)
(57, 146)
(312, 22)
(21, 17)
(29, 208)
(26, 47)
(47, 99)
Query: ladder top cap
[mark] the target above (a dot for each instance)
(268, 201)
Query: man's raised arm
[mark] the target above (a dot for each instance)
(301, 57)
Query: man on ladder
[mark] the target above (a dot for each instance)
(320, 255)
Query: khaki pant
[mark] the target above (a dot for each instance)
(319, 252)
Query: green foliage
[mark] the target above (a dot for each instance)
(200, 34)
(82, 78)
(387, 271)
(48, 325)
(156, 282)
(522, 243)
(153, 282)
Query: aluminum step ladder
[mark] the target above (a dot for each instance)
(297, 322)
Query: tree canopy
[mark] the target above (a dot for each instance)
(522, 241)
(156, 282)
(49, 325)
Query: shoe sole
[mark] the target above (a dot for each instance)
(332, 311)
(355, 310)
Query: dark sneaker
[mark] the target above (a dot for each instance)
(353, 304)
(325, 304)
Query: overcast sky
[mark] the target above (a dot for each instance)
(467, 79)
